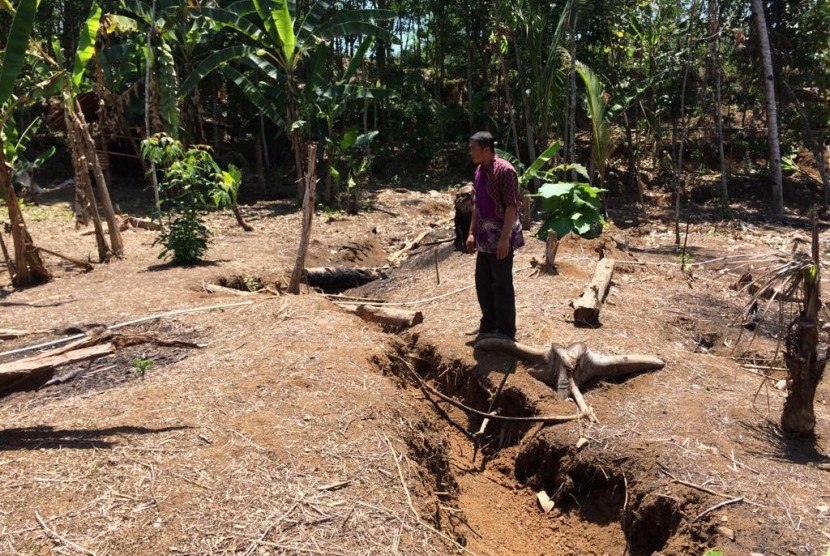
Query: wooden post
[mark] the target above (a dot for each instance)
(308, 214)
(551, 247)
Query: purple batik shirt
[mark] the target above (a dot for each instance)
(497, 188)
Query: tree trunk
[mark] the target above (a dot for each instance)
(714, 31)
(147, 130)
(308, 214)
(803, 363)
(571, 137)
(771, 108)
(678, 160)
(28, 268)
(529, 135)
(101, 183)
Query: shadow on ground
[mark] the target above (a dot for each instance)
(37, 438)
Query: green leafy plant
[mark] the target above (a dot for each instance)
(350, 151)
(141, 365)
(570, 207)
(192, 184)
(713, 552)
(252, 283)
(567, 206)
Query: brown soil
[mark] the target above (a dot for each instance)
(290, 431)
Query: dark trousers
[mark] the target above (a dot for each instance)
(494, 288)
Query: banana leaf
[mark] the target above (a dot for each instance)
(16, 44)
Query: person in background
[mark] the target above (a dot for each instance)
(495, 232)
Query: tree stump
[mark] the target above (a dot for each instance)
(551, 247)
(587, 307)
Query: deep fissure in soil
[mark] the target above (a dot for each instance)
(584, 485)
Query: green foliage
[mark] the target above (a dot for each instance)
(570, 207)
(713, 552)
(352, 164)
(15, 146)
(141, 365)
(86, 46)
(16, 44)
(192, 183)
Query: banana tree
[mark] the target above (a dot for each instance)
(280, 45)
(27, 268)
(70, 84)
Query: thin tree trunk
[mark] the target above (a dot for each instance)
(28, 268)
(529, 135)
(147, 132)
(771, 108)
(714, 30)
(571, 137)
(308, 216)
(678, 164)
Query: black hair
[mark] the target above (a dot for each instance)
(485, 140)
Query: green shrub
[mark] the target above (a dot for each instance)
(192, 183)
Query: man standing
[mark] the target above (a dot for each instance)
(495, 232)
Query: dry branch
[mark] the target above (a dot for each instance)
(587, 306)
(127, 323)
(79, 263)
(61, 540)
(397, 256)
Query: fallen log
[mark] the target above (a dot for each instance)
(399, 318)
(587, 306)
(214, 288)
(34, 371)
(125, 223)
(8, 334)
(337, 279)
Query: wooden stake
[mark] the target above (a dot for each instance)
(437, 273)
